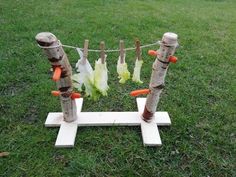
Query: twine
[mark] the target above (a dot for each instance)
(96, 50)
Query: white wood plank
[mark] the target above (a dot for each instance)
(79, 105)
(150, 134)
(109, 118)
(162, 119)
(67, 134)
(141, 103)
(54, 119)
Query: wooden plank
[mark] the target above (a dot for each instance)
(102, 119)
(109, 119)
(162, 119)
(79, 105)
(55, 119)
(105, 119)
(67, 134)
(150, 134)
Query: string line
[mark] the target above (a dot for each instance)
(96, 50)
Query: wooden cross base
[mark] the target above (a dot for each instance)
(68, 130)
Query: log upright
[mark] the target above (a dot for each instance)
(159, 69)
(62, 72)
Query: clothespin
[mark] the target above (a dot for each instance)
(85, 53)
(138, 49)
(122, 51)
(102, 54)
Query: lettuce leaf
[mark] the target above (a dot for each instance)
(101, 77)
(137, 69)
(123, 73)
(85, 77)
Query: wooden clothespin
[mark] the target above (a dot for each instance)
(122, 51)
(85, 52)
(138, 49)
(102, 54)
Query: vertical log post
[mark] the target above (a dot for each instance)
(59, 61)
(159, 69)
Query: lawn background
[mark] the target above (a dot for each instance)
(200, 92)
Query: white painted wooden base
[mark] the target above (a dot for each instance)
(67, 132)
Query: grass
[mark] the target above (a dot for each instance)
(200, 92)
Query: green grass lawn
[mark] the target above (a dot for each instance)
(200, 93)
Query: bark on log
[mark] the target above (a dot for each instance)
(159, 69)
(58, 58)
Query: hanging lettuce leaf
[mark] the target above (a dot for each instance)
(122, 70)
(101, 77)
(77, 81)
(85, 77)
(90, 89)
(137, 69)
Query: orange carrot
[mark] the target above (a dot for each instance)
(57, 74)
(139, 92)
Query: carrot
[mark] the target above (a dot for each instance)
(139, 92)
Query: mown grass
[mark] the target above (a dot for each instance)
(200, 92)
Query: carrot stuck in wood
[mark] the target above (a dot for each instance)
(140, 92)
(57, 74)
(152, 53)
(75, 95)
(55, 93)
(173, 59)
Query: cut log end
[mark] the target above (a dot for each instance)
(170, 38)
(45, 38)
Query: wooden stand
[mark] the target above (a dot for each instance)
(72, 117)
(68, 131)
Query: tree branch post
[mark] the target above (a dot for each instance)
(62, 72)
(164, 54)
